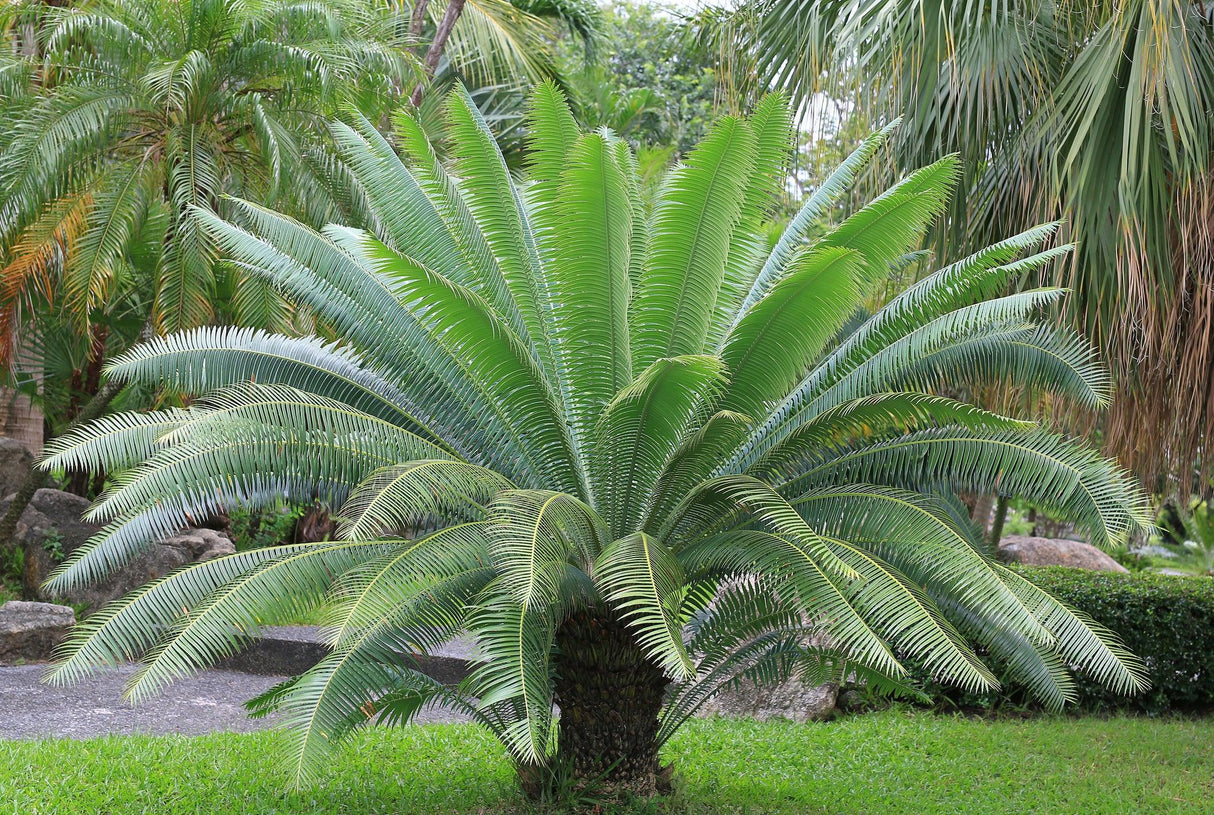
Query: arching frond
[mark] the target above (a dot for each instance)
(641, 429)
(1067, 480)
(642, 578)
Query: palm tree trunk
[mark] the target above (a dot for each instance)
(38, 477)
(454, 9)
(997, 524)
(981, 512)
(609, 694)
(89, 384)
(417, 18)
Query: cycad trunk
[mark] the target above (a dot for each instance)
(609, 695)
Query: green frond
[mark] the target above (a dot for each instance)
(1082, 642)
(387, 611)
(223, 464)
(771, 122)
(230, 616)
(1040, 668)
(820, 580)
(501, 369)
(589, 252)
(835, 381)
(777, 340)
(643, 580)
(401, 497)
(551, 133)
(693, 462)
(517, 643)
(906, 616)
(438, 390)
(1058, 475)
(895, 222)
(110, 442)
(399, 587)
(1051, 358)
(872, 417)
(915, 535)
(495, 202)
(981, 275)
(410, 222)
(642, 427)
(794, 235)
(127, 628)
(449, 199)
(699, 206)
(533, 533)
(208, 358)
(118, 204)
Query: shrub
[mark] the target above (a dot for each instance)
(259, 528)
(1167, 621)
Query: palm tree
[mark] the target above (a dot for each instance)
(147, 110)
(498, 49)
(1099, 112)
(633, 452)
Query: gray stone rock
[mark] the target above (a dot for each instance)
(156, 561)
(30, 631)
(1056, 552)
(16, 461)
(792, 699)
(54, 513)
(49, 529)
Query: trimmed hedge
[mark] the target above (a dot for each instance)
(1167, 621)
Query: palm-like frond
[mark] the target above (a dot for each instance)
(617, 441)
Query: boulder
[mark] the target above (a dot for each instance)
(16, 461)
(56, 514)
(49, 529)
(156, 561)
(1056, 552)
(792, 699)
(30, 631)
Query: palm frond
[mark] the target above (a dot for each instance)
(697, 211)
(643, 579)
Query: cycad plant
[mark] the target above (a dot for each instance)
(633, 452)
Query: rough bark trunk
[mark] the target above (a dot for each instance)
(454, 9)
(86, 383)
(981, 512)
(417, 18)
(609, 694)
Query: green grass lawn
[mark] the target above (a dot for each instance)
(891, 762)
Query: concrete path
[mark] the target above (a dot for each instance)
(211, 701)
